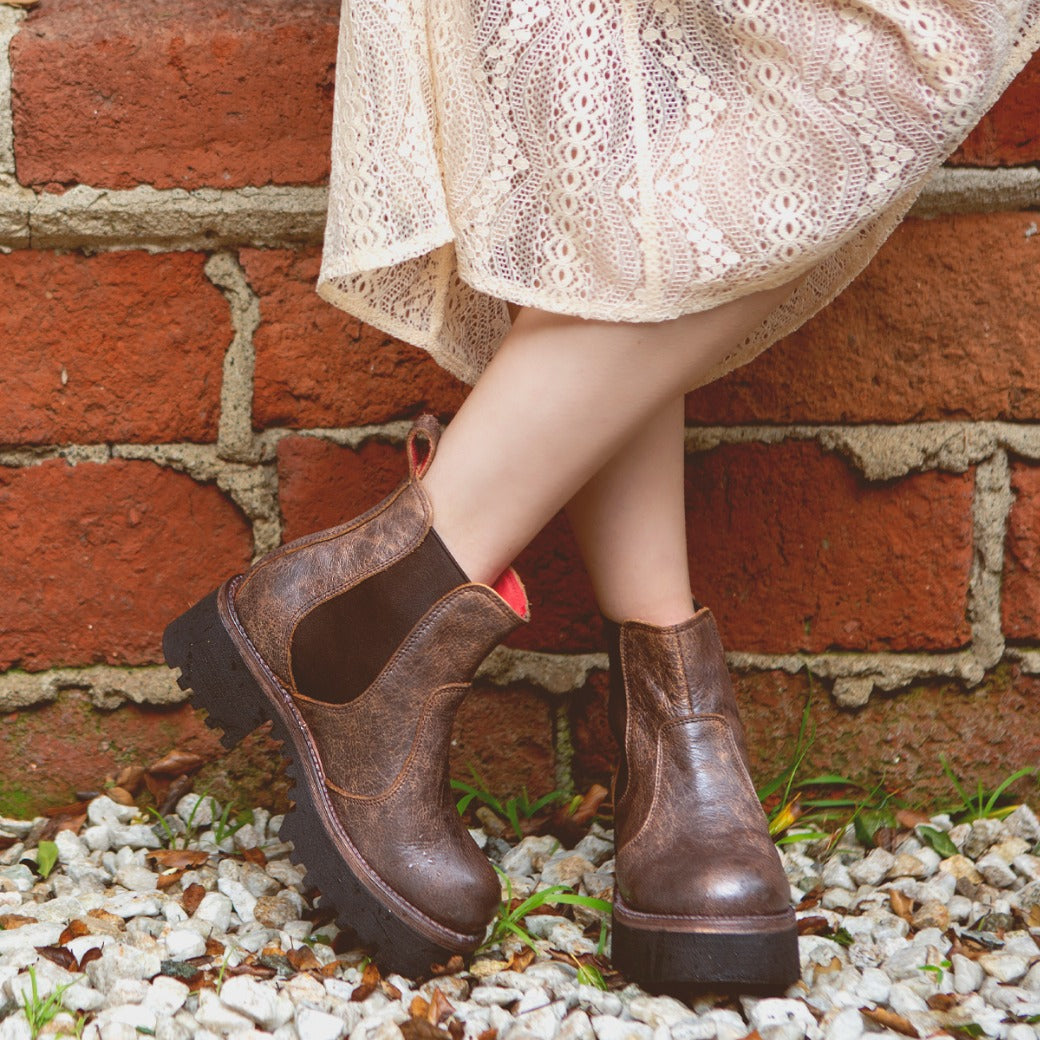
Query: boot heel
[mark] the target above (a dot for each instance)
(763, 962)
(213, 671)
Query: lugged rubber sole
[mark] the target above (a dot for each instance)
(756, 955)
(213, 670)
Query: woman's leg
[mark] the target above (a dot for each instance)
(630, 524)
(561, 397)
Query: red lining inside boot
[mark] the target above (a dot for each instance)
(511, 589)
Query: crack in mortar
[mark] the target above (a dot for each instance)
(883, 452)
(10, 19)
(287, 216)
(235, 440)
(991, 507)
(108, 687)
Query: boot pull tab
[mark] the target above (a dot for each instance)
(422, 445)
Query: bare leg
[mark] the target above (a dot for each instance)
(560, 398)
(630, 523)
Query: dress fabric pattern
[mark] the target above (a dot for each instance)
(635, 160)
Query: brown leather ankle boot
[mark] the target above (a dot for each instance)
(359, 643)
(700, 895)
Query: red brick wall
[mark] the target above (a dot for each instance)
(864, 498)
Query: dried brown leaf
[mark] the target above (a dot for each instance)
(453, 966)
(811, 899)
(521, 960)
(302, 959)
(59, 955)
(943, 1001)
(488, 1034)
(419, 1007)
(421, 1029)
(255, 856)
(910, 818)
(890, 1020)
(75, 929)
(176, 763)
(456, 1029)
(178, 859)
(214, 948)
(440, 1008)
(103, 917)
(120, 795)
(130, 778)
(193, 895)
(902, 905)
(813, 926)
(90, 955)
(169, 878)
(9, 921)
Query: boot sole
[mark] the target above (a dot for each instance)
(231, 682)
(750, 954)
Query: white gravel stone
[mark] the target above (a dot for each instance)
(903, 1000)
(15, 1027)
(872, 868)
(266, 1007)
(566, 868)
(658, 1011)
(46, 933)
(983, 834)
(1022, 823)
(576, 1026)
(165, 996)
(137, 879)
(967, 974)
(1004, 967)
(728, 1024)
(847, 1024)
(134, 835)
(133, 904)
(312, 1024)
(216, 909)
(996, 870)
(609, 1028)
(184, 943)
(213, 1014)
(241, 898)
(103, 810)
(119, 960)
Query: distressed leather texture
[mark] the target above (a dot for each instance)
(692, 839)
(366, 742)
(411, 834)
(383, 755)
(281, 588)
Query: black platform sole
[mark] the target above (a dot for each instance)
(212, 668)
(760, 958)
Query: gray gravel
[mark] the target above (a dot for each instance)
(901, 942)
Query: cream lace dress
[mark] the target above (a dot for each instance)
(635, 160)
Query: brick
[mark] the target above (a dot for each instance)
(507, 735)
(322, 484)
(48, 753)
(317, 366)
(792, 550)
(99, 557)
(1021, 586)
(895, 740)
(218, 95)
(119, 346)
(1009, 134)
(927, 332)
(564, 616)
